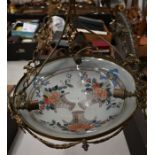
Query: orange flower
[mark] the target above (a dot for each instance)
(100, 93)
(96, 85)
(79, 127)
(54, 98)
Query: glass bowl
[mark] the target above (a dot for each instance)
(70, 102)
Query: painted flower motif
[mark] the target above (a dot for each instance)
(53, 98)
(100, 93)
(42, 107)
(95, 85)
(77, 127)
(88, 80)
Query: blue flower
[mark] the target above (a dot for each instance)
(113, 75)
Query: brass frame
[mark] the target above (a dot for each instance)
(35, 66)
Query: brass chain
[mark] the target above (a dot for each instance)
(44, 43)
